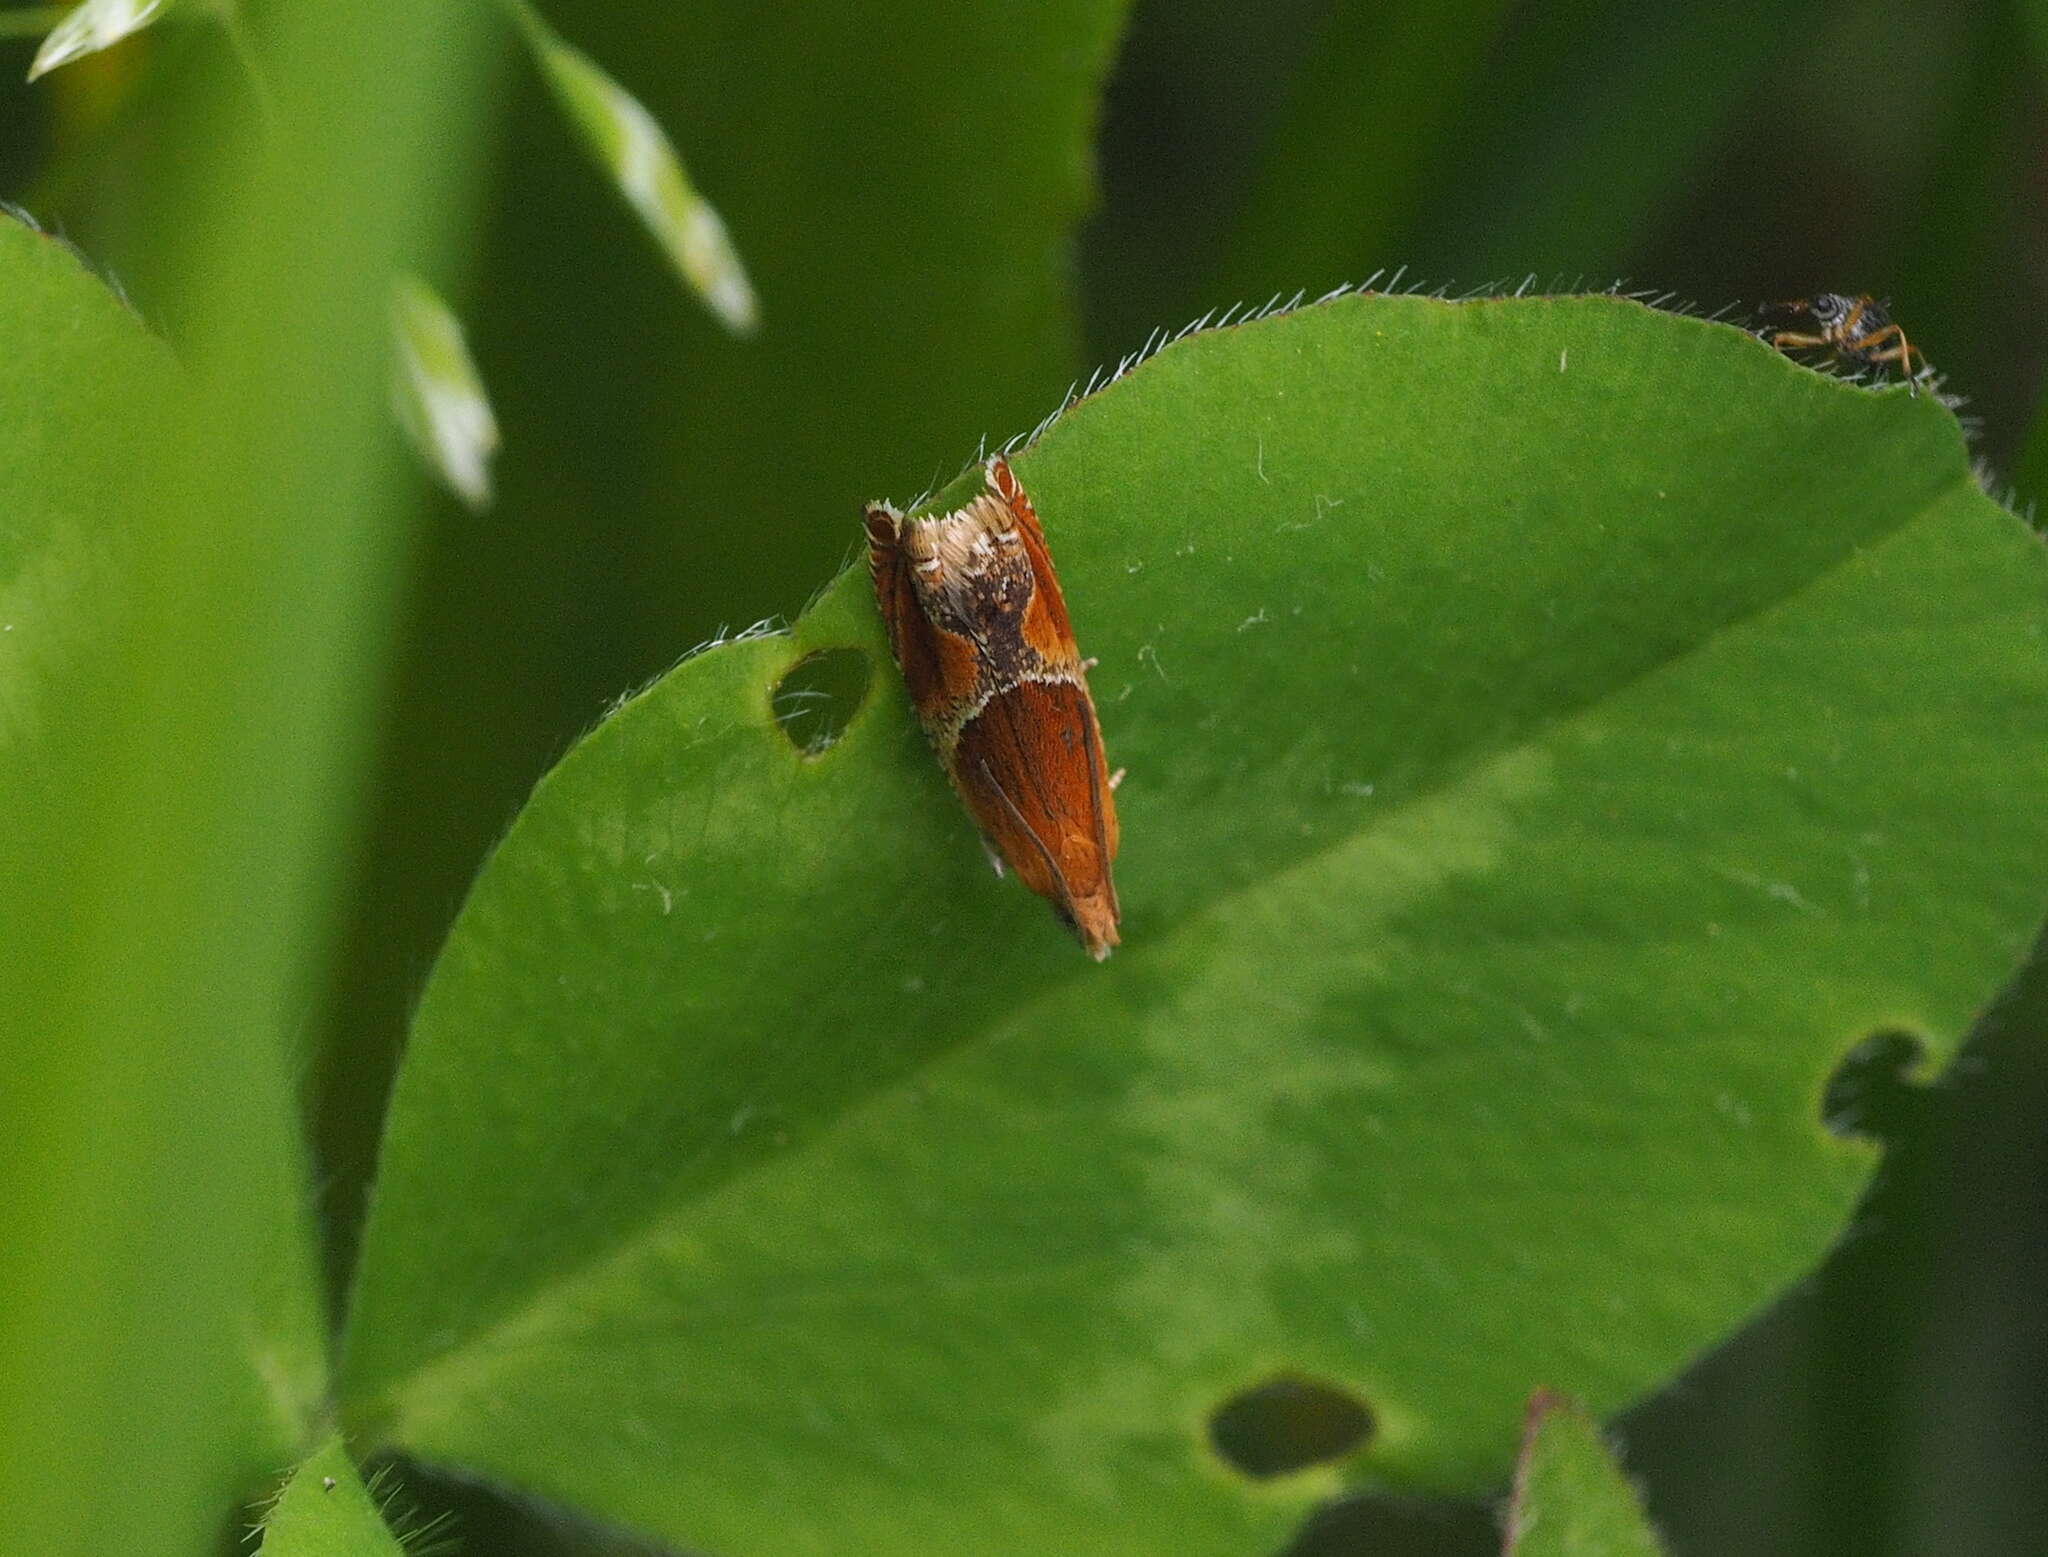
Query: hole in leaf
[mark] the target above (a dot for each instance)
(1872, 1091)
(1288, 1424)
(818, 697)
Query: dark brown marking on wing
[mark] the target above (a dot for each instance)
(1053, 635)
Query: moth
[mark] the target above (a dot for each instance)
(979, 628)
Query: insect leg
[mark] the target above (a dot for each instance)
(1901, 351)
(1794, 340)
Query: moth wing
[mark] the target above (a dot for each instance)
(910, 632)
(1010, 492)
(1108, 837)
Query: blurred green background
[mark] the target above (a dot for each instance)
(929, 276)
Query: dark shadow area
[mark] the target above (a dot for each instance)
(482, 1521)
(1357, 1526)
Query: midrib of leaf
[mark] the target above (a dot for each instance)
(449, 1377)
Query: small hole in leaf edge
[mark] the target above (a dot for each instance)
(1288, 1424)
(1873, 1092)
(818, 696)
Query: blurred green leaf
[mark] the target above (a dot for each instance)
(208, 585)
(2033, 15)
(2030, 477)
(1591, 125)
(1571, 1499)
(88, 388)
(326, 1511)
(1349, 162)
(90, 27)
(31, 21)
(1517, 837)
(160, 1336)
(631, 146)
(1950, 259)
(438, 395)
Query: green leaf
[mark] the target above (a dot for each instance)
(439, 395)
(1531, 711)
(630, 145)
(1570, 1498)
(90, 27)
(201, 569)
(87, 388)
(326, 1511)
(160, 1325)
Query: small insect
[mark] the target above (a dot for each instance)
(1855, 329)
(979, 627)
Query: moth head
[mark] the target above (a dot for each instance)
(884, 524)
(966, 543)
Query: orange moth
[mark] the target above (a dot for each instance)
(979, 627)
